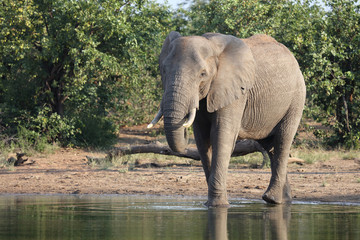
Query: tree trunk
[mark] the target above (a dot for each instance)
(156, 147)
(242, 148)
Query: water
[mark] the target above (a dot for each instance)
(139, 217)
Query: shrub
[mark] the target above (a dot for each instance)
(95, 131)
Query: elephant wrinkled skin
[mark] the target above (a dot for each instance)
(241, 89)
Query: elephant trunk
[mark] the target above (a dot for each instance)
(179, 113)
(176, 138)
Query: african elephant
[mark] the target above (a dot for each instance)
(230, 89)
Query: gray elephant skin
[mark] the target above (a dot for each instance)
(230, 89)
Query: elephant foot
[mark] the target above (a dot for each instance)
(217, 203)
(271, 198)
(276, 196)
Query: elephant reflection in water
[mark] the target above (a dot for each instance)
(276, 219)
(217, 224)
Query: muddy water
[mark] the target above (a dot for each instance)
(139, 217)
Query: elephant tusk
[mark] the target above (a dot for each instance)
(156, 119)
(191, 118)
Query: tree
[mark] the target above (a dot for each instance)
(340, 81)
(78, 61)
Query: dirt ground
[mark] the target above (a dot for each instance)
(67, 172)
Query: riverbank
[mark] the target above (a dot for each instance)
(67, 171)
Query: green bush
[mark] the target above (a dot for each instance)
(29, 139)
(60, 58)
(95, 131)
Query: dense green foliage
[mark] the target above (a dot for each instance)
(71, 71)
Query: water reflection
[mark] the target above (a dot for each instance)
(276, 219)
(217, 224)
(124, 217)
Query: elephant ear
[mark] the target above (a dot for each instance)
(235, 71)
(166, 48)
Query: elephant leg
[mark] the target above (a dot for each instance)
(279, 190)
(224, 132)
(202, 138)
(223, 142)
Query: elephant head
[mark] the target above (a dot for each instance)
(220, 68)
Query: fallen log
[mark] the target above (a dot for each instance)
(242, 147)
(156, 147)
(247, 146)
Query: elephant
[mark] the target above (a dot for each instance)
(229, 89)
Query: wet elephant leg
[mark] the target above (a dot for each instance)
(223, 137)
(217, 183)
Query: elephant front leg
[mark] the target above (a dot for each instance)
(223, 142)
(202, 129)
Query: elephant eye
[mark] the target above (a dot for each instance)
(203, 74)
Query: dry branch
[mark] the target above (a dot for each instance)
(242, 148)
(156, 147)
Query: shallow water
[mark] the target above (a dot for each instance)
(150, 217)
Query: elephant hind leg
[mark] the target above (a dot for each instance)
(278, 147)
(287, 191)
(276, 192)
(279, 190)
(277, 196)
